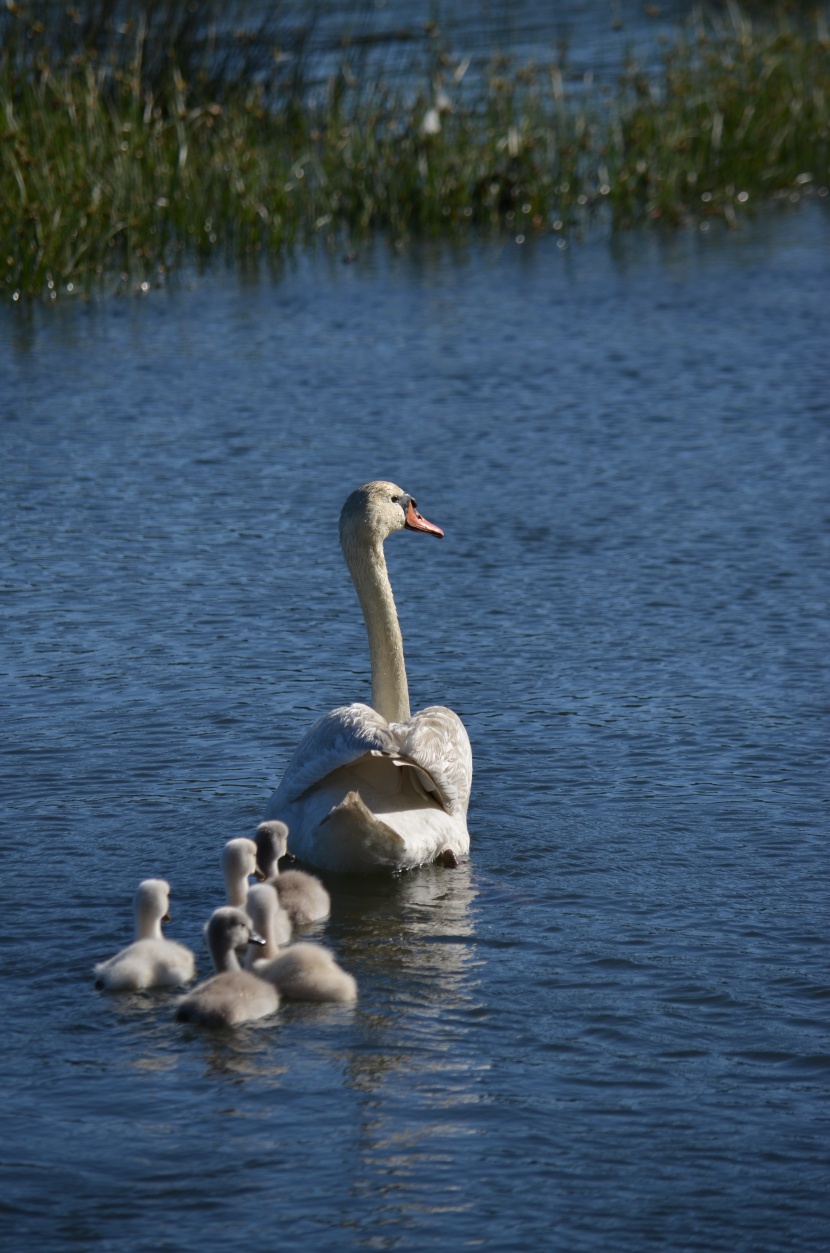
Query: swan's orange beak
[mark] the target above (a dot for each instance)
(415, 522)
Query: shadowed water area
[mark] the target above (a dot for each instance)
(610, 1029)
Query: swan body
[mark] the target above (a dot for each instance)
(233, 995)
(373, 787)
(151, 961)
(301, 895)
(302, 972)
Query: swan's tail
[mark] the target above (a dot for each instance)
(356, 840)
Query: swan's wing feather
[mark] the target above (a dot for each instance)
(436, 740)
(337, 739)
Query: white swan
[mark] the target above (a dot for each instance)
(375, 788)
(301, 895)
(302, 972)
(233, 995)
(152, 961)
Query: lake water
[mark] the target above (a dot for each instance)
(611, 1030)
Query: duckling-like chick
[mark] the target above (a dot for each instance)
(239, 862)
(303, 972)
(151, 961)
(308, 972)
(233, 995)
(302, 896)
(269, 919)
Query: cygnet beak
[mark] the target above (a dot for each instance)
(168, 917)
(255, 938)
(260, 875)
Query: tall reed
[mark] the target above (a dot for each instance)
(119, 159)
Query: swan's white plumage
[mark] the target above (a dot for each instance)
(151, 961)
(371, 787)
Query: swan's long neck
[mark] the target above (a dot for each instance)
(390, 692)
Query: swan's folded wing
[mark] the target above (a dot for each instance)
(436, 740)
(337, 739)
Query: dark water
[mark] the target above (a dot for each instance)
(591, 37)
(610, 1030)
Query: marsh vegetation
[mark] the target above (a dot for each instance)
(130, 144)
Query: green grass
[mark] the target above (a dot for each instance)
(120, 159)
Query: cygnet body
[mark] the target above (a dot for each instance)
(302, 896)
(151, 961)
(233, 995)
(308, 972)
(302, 972)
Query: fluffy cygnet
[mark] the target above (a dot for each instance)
(233, 995)
(239, 862)
(269, 919)
(303, 972)
(308, 972)
(152, 961)
(302, 896)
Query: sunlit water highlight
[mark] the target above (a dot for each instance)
(610, 1030)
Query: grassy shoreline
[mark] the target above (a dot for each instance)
(112, 170)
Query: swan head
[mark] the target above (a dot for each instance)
(271, 845)
(375, 510)
(152, 901)
(227, 930)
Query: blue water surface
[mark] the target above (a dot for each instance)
(610, 1029)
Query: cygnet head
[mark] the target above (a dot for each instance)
(271, 844)
(227, 930)
(238, 864)
(375, 510)
(151, 905)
